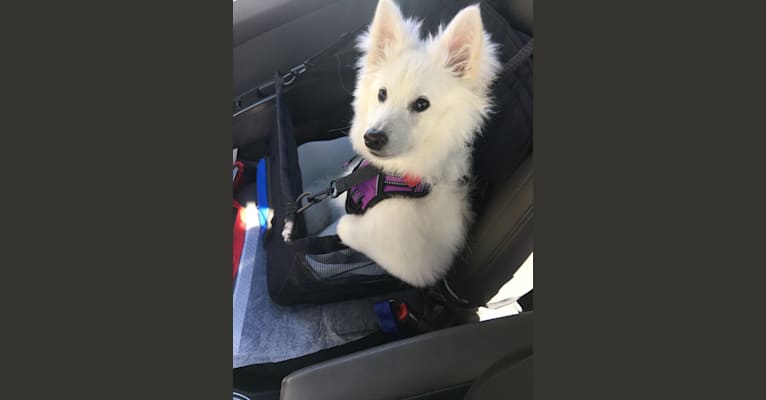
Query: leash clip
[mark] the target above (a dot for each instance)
(314, 199)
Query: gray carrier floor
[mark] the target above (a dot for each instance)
(265, 332)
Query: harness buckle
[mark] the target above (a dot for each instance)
(333, 190)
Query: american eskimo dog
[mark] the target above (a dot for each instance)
(418, 105)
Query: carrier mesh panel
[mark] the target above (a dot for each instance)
(342, 263)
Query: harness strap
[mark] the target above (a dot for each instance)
(362, 174)
(338, 186)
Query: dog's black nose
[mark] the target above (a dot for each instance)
(375, 139)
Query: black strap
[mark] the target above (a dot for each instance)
(337, 187)
(345, 37)
(363, 174)
(289, 77)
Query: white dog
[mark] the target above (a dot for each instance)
(418, 106)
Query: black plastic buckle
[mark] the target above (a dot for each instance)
(333, 190)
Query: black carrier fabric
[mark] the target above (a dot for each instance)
(308, 269)
(321, 269)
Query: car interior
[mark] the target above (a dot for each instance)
(305, 49)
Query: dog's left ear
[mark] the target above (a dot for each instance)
(463, 43)
(388, 35)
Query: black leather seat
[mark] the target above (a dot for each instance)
(497, 351)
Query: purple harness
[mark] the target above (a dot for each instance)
(363, 196)
(366, 186)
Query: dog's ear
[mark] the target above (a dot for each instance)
(463, 43)
(389, 34)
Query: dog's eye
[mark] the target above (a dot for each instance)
(382, 95)
(420, 105)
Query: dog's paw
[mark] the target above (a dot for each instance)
(287, 231)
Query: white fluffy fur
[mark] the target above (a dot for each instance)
(416, 240)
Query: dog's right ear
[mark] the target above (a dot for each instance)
(388, 35)
(463, 42)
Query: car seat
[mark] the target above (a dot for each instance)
(501, 238)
